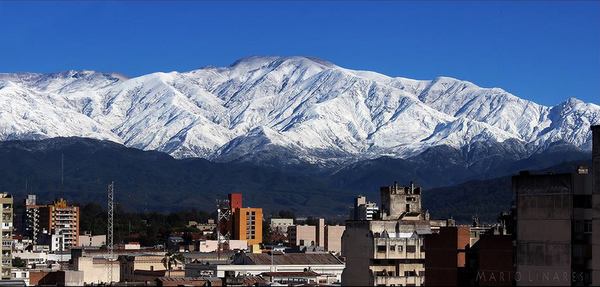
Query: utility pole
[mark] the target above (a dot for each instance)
(109, 233)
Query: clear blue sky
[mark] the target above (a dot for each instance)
(544, 51)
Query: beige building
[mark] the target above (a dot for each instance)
(333, 238)
(281, 224)
(328, 237)
(130, 264)
(89, 240)
(96, 270)
(302, 235)
(388, 251)
(6, 225)
(212, 245)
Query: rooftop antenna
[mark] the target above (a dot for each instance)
(109, 233)
(223, 224)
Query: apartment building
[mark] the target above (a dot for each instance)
(6, 225)
(281, 225)
(388, 251)
(52, 222)
(554, 228)
(247, 224)
(446, 256)
(363, 209)
(32, 218)
(596, 205)
(325, 237)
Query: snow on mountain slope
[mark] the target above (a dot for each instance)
(26, 114)
(307, 107)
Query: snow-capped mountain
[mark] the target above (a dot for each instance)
(294, 106)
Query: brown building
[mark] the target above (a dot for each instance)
(553, 228)
(56, 218)
(235, 201)
(247, 224)
(490, 261)
(445, 260)
(596, 206)
(56, 278)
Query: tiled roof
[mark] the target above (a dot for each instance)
(293, 259)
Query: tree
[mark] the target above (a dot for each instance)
(18, 262)
(286, 214)
(172, 260)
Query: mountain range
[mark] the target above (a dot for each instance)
(288, 132)
(288, 110)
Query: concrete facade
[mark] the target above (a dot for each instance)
(333, 238)
(247, 225)
(6, 227)
(596, 206)
(57, 218)
(88, 240)
(397, 201)
(388, 251)
(130, 263)
(302, 235)
(490, 262)
(281, 224)
(95, 270)
(363, 209)
(554, 228)
(328, 237)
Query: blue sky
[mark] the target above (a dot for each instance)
(544, 51)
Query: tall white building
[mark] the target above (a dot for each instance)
(363, 209)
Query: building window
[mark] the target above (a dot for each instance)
(411, 248)
(587, 226)
(582, 201)
(381, 248)
(578, 226)
(393, 248)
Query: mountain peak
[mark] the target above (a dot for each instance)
(277, 60)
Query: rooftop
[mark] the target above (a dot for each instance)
(291, 274)
(289, 259)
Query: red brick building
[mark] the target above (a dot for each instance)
(446, 256)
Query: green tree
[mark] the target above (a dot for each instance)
(18, 262)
